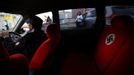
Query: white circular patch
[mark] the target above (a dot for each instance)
(110, 39)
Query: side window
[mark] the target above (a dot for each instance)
(77, 18)
(9, 21)
(47, 18)
(112, 11)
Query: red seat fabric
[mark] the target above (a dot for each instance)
(13, 65)
(4, 59)
(123, 63)
(18, 65)
(115, 51)
(123, 22)
(114, 54)
(49, 46)
(4, 56)
(78, 64)
(107, 52)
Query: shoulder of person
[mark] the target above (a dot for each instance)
(28, 35)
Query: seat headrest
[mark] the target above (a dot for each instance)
(124, 22)
(53, 31)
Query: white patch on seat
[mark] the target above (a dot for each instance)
(110, 39)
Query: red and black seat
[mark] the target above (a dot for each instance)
(115, 51)
(114, 54)
(47, 48)
(16, 64)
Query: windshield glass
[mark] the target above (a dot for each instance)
(9, 21)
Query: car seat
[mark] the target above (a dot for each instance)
(15, 64)
(47, 47)
(114, 53)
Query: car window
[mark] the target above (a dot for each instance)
(77, 18)
(47, 18)
(112, 11)
(9, 21)
(92, 13)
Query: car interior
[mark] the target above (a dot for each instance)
(83, 37)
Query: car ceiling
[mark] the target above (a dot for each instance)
(38, 6)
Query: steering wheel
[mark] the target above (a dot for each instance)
(15, 37)
(10, 41)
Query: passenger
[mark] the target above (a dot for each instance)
(31, 41)
(79, 19)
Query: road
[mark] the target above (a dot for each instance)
(68, 25)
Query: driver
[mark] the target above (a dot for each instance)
(33, 39)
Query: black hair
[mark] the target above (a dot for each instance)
(52, 29)
(35, 21)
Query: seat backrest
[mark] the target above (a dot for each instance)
(18, 65)
(4, 56)
(47, 47)
(115, 47)
(78, 64)
(15, 64)
(4, 59)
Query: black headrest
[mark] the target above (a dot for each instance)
(123, 22)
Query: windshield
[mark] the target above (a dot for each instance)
(9, 21)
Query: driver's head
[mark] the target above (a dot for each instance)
(35, 21)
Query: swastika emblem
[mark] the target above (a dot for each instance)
(110, 39)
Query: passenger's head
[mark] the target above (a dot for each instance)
(35, 22)
(123, 22)
(53, 31)
(79, 13)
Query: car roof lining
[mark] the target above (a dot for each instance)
(39, 6)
